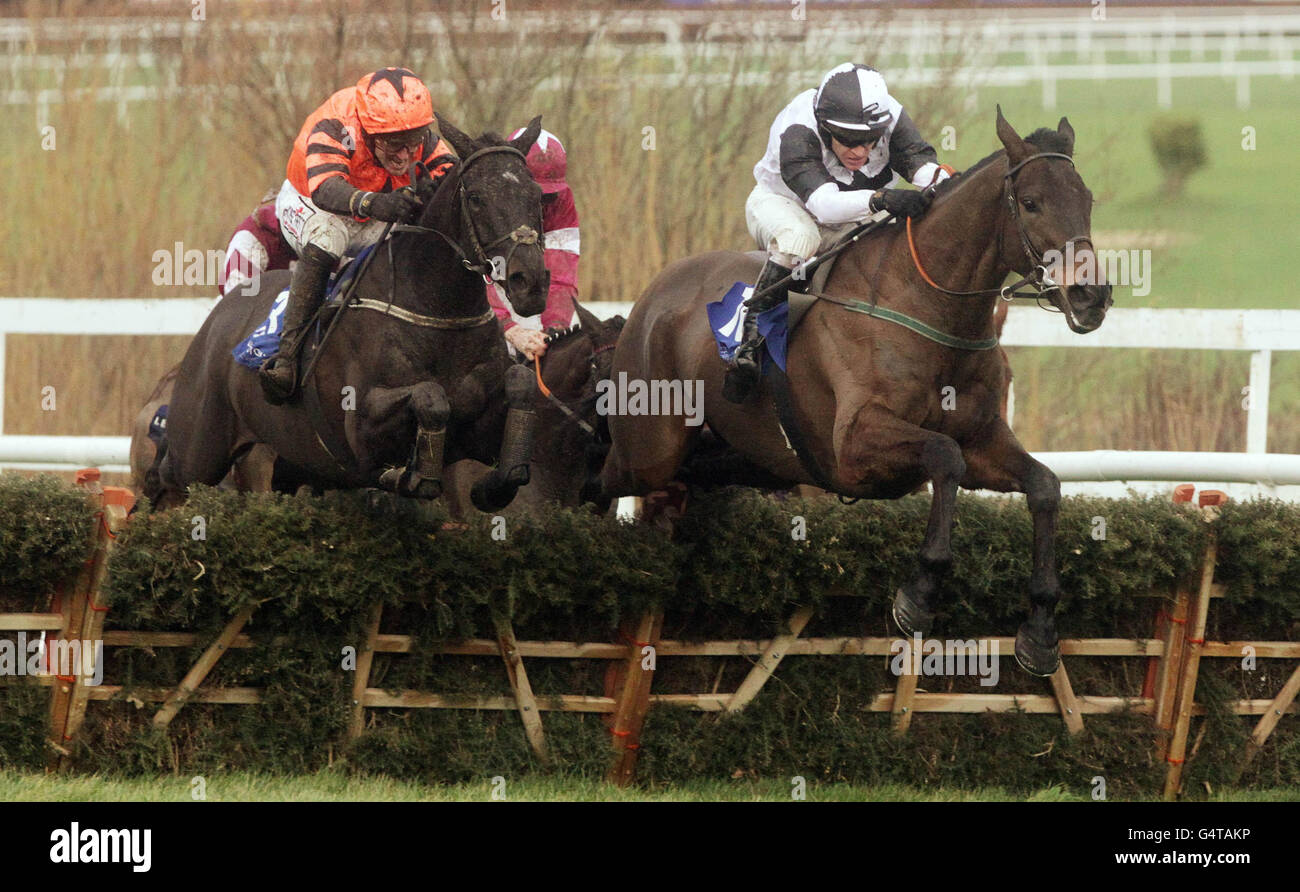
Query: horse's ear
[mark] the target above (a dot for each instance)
(463, 145)
(524, 141)
(1017, 150)
(1066, 131)
(590, 324)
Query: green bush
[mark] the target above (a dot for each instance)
(45, 529)
(314, 568)
(1179, 148)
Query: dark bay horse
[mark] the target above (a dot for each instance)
(576, 360)
(882, 408)
(415, 376)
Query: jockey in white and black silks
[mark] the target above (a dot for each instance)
(833, 155)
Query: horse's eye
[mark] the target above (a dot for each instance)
(474, 201)
(1029, 204)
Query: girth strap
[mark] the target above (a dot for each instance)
(790, 425)
(912, 324)
(445, 322)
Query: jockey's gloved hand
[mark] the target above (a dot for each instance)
(391, 207)
(900, 202)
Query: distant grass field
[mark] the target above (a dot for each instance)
(330, 786)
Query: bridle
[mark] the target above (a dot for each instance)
(569, 413)
(520, 235)
(1038, 277)
(480, 263)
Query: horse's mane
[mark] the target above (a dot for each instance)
(559, 335)
(1045, 139)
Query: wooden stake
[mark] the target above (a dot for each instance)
(1170, 671)
(361, 680)
(767, 663)
(73, 608)
(634, 700)
(1190, 668)
(1269, 720)
(902, 709)
(200, 669)
(1069, 703)
(519, 685)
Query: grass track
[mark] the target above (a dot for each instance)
(330, 786)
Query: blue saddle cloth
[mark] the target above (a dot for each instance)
(727, 316)
(264, 342)
(158, 424)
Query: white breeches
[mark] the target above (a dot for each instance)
(782, 227)
(305, 224)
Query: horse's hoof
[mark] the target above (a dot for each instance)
(391, 479)
(1035, 658)
(910, 617)
(490, 495)
(519, 475)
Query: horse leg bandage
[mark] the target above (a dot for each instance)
(429, 448)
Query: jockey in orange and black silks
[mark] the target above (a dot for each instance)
(349, 173)
(833, 155)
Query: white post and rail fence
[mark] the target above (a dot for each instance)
(1258, 332)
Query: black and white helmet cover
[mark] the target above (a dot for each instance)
(853, 100)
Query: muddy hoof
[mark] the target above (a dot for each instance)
(910, 617)
(491, 494)
(1036, 658)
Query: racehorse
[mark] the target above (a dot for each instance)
(895, 390)
(576, 359)
(414, 372)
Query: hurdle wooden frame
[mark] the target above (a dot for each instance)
(1175, 652)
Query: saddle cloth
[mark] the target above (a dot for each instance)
(264, 342)
(727, 316)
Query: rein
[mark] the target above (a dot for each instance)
(520, 235)
(1039, 277)
(563, 407)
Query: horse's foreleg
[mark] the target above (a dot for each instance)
(498, 489)
(914, 603)
(1002, 464)
(385, 409)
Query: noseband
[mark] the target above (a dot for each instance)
(1044, 281)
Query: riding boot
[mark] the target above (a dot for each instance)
(744, 371)
(279, 374)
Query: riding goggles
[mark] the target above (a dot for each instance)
(853, 138)
(393, 143)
